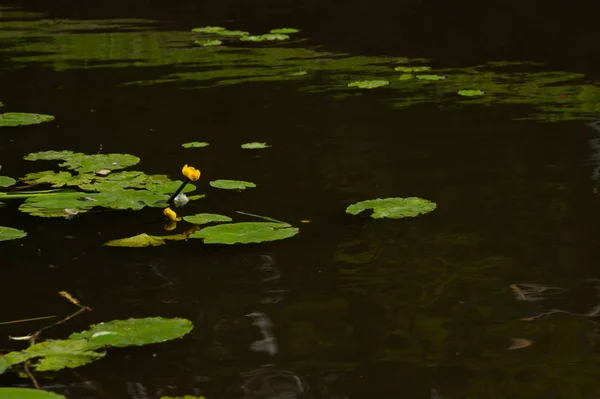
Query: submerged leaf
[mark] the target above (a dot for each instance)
(139, 241)
(6, 181)
(208, 29)
(233, 33)
(471, 93)
(285, 30)
(369, 84)
(232, 184)
(431, 77)
(204, 218)
(27, 393)
(208, 43)
(22, 119)
(8, 233)
(245, 233)
(195, 144)
(255, 146)
(409, 69)
(121, 333)
(394, 208)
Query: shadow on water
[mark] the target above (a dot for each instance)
(493, 294)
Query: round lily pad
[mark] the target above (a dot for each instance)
(6, 181)
(471, 93)
(245, 233)
(208, 29)
(22, 119)
(267, 37)
(232, 184)
(255, 146)
(431, 77)
(394, 208)
(284, 31)
(369, 84)
(195, 144)
(208, 43)
(409, 69)
(204, 218)
(8, 233)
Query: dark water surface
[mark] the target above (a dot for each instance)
(493, 295)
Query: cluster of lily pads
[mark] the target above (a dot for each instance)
(215, 35)
(412, 72)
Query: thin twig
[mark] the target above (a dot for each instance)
(25, 320)
(31, 377)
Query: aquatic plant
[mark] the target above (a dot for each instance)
(393, 208)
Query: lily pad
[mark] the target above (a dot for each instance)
(245, 233)
(22, 119)
(232, 184)
(204, 218)
(122, 333)
(409, 69)
(267, 37)
(50, 155)
(255, 146)
(55, 179)
(3, 364)
(406, 76)
(169, 187)
(208, 43)
(233, 33)
(8, 233)
(369, 84)
(471, 93)
(83, 163)
(139, 241)
(208, 29)
(6, 181)
(284, 31)
(195, 144)
(299, 73)
(394, 208)
(27, 393)
(431, 77)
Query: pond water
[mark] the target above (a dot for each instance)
(494, 294)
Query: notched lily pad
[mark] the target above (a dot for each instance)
(204, 218)
(255, 146)
(23, 119)
(245, 233)
(369, 84)
(6, 181)
(471, 93)
(9, 233)
(195, 144)
(232, 184)
(393, 208)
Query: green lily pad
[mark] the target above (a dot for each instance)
(255, 146)
(204, 218)
(431, 77)
(233, 33)
(299, 73)
(409, 69)
(139, 241)
(208, 43)
(83, 163)
(22, 119)
(122, 333)
(169, 187)
(232, 184)
(471, 93)
(6, 181)
(8, 233)
(394, 208)
(208, 29)
(406, 76)
(51, 155)
(369, 84)
(3, 364)
(27, 393)
(195, 144)
(284, 31)
(245, 233)
(55, 179)
(262, 38)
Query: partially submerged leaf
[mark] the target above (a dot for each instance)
(57, 354)
(208, 43)
(471, 93)
(369, 84)
(208, 29)
(141, 240)
(409, 69)
(233, 33)
(27, 393)
(431, 77)
(232, 184)
(8, 233)
(204, 218)
(394, 208)
(195, 144)
(245, 233)
(6, 181)
(284, 30)
(22, 119)
(3, 364)
(263, 38)
(122, 333)
(255, 146)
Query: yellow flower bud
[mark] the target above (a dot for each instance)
(191, 173)
(171, 215)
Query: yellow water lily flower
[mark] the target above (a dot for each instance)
(191, 173)
(171, 215)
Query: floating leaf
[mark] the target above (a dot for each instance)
(139, 241)
(50, 155)
(8, 233)
(208, 43)
(55, 179)
(394, 208)
(299, 73)
(22, 119)
(26, 393)
(255, 146)
(262, 38)
(285, 30)
(431, 77)
(233, 33)
(245, 233)
(471, 93)
(208, 29)
(204, 218)
(369, 84)
(6, 181)
(121, 333)
(169, 187)
(409, 69)
(232, 184)
(3, 364)
(92, 163)
(195, 144)
(406, 76)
